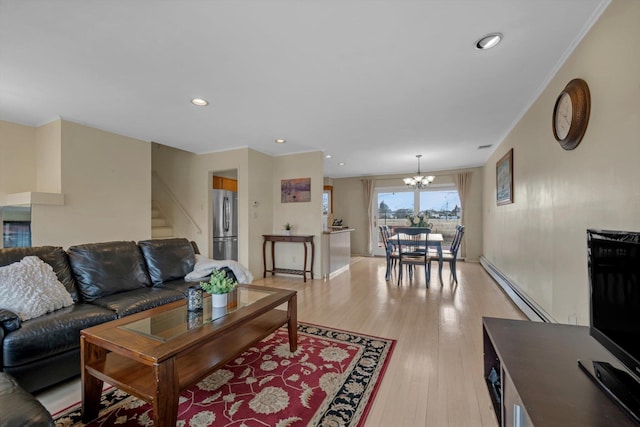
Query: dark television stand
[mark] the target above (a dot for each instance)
(534, 380)
(617, 384)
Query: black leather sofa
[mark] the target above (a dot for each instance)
(106, 281)
(18, 408)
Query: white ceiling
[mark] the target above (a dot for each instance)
(373, 83)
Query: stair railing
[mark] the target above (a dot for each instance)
(175, 200)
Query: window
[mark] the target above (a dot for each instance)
(327, 206)
(440, 204)
(443, 204)
(327, 200)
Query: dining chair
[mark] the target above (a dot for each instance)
(390, 250)
(451, 255)
(413, 250)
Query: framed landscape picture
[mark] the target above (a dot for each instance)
(295, 190)
(504, 179)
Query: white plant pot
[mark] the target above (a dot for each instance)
(287, 232)
(218, 300)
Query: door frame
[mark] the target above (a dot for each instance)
(376, 244)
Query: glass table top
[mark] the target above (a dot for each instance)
(173, 323)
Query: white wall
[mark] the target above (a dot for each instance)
(539, 241)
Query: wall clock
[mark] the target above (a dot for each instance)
(571, 114)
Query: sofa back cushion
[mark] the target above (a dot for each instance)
(52, 255)
(168, 259)
(103, 269)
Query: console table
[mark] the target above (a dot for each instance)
(533, 376)
(273, 238)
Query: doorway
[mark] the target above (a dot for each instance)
(224, 215)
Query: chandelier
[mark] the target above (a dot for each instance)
(418, 181)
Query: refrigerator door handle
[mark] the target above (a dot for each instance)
(226, 213)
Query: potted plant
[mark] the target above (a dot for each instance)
(419, 220)
(219, 286)
(287, 229)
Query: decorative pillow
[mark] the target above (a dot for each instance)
(30, 288)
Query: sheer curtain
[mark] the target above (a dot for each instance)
(368, 187)
(463, 184)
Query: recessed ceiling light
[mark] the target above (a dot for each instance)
(328, 156)
(488, 41)
(341, 164)
(280, 141)
(199, 102)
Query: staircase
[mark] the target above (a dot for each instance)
(160, 228)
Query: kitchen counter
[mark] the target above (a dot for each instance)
(336, 251)
(338, 230)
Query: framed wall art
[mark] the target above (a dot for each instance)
(295, 190)
(504, 179)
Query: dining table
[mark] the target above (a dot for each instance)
(433, 239)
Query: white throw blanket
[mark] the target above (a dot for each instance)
(204, 267)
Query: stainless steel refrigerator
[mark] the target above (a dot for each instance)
(225, 224)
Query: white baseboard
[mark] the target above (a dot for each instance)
(337, 272)
(529, 307)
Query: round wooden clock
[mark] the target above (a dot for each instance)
(571, 114)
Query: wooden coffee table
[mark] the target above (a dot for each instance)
(156, 354)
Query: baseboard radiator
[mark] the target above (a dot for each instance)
(530, 309)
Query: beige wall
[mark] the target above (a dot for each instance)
(182, 191)
(105, 179)
(106, 182)
(188, 177)
(305, 217)
(539, 241)
(17, 159)
(258, 184)
(49, 157)
(349, 204)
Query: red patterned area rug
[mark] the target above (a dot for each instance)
(331, 380)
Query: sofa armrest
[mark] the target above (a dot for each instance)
(9, 320)
(20, 408)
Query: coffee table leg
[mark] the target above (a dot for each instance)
(91, 386)
(165, 403)
(292, 325)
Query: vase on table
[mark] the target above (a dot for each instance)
(218, 300)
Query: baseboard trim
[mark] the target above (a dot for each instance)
(530, 309)
(337, 272)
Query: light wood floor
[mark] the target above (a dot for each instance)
(435, 375)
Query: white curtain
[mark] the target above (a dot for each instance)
(463, 184)
(368, 187)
